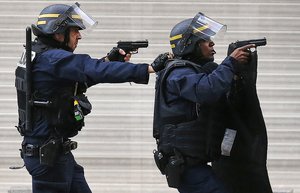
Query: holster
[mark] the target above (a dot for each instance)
(172, 167)
(161, 161)
(174, 170)
(49, 152)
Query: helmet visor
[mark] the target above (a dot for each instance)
(81, 19)
(205, 27)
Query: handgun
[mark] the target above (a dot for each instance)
(248, 72)
(238, 44)
(131, 47)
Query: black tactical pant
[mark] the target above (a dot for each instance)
(66, 176)
(200, 179)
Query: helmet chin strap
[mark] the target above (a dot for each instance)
(66, 41)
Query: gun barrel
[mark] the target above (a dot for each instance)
(140, 44)
(257, 42)
(132, 46)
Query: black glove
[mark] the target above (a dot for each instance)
(114, 55)
(160, 61)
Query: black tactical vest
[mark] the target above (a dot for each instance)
(64, 110)
(199, 138)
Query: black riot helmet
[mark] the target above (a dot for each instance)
(58, 18)
(186, 34)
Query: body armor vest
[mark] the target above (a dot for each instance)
(199, 138)
(64, 110)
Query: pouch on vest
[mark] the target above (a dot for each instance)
(188, 138)
(69, 116)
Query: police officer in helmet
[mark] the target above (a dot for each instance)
(190, 106)
(59, 81)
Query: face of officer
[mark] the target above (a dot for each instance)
(74, 37)
(206, 49)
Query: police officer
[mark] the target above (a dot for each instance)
(190, 106)
(59, 80)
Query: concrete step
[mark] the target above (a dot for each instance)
(140, 21)
(154, 36)
(148, 8)
(124, 188)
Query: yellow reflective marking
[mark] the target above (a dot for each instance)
(41, 22)
(54, 15)
(48, 15)
(176, 37)
(200, 28)
(173, 46)
(76, 17)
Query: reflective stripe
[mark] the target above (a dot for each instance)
(41, 22)
(194, 31)
(200, 28)
(76, 17)
(55, 15)
(176, 37)
(173, 45)
(48, 15)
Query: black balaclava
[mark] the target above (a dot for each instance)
(196, 56)
(51, 42)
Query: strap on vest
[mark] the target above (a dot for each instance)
(20, 84)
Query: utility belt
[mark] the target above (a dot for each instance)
(49, 151)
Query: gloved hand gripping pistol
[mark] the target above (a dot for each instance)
(238, 44)
(247, 73)
(249, 70)
(130, 47)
